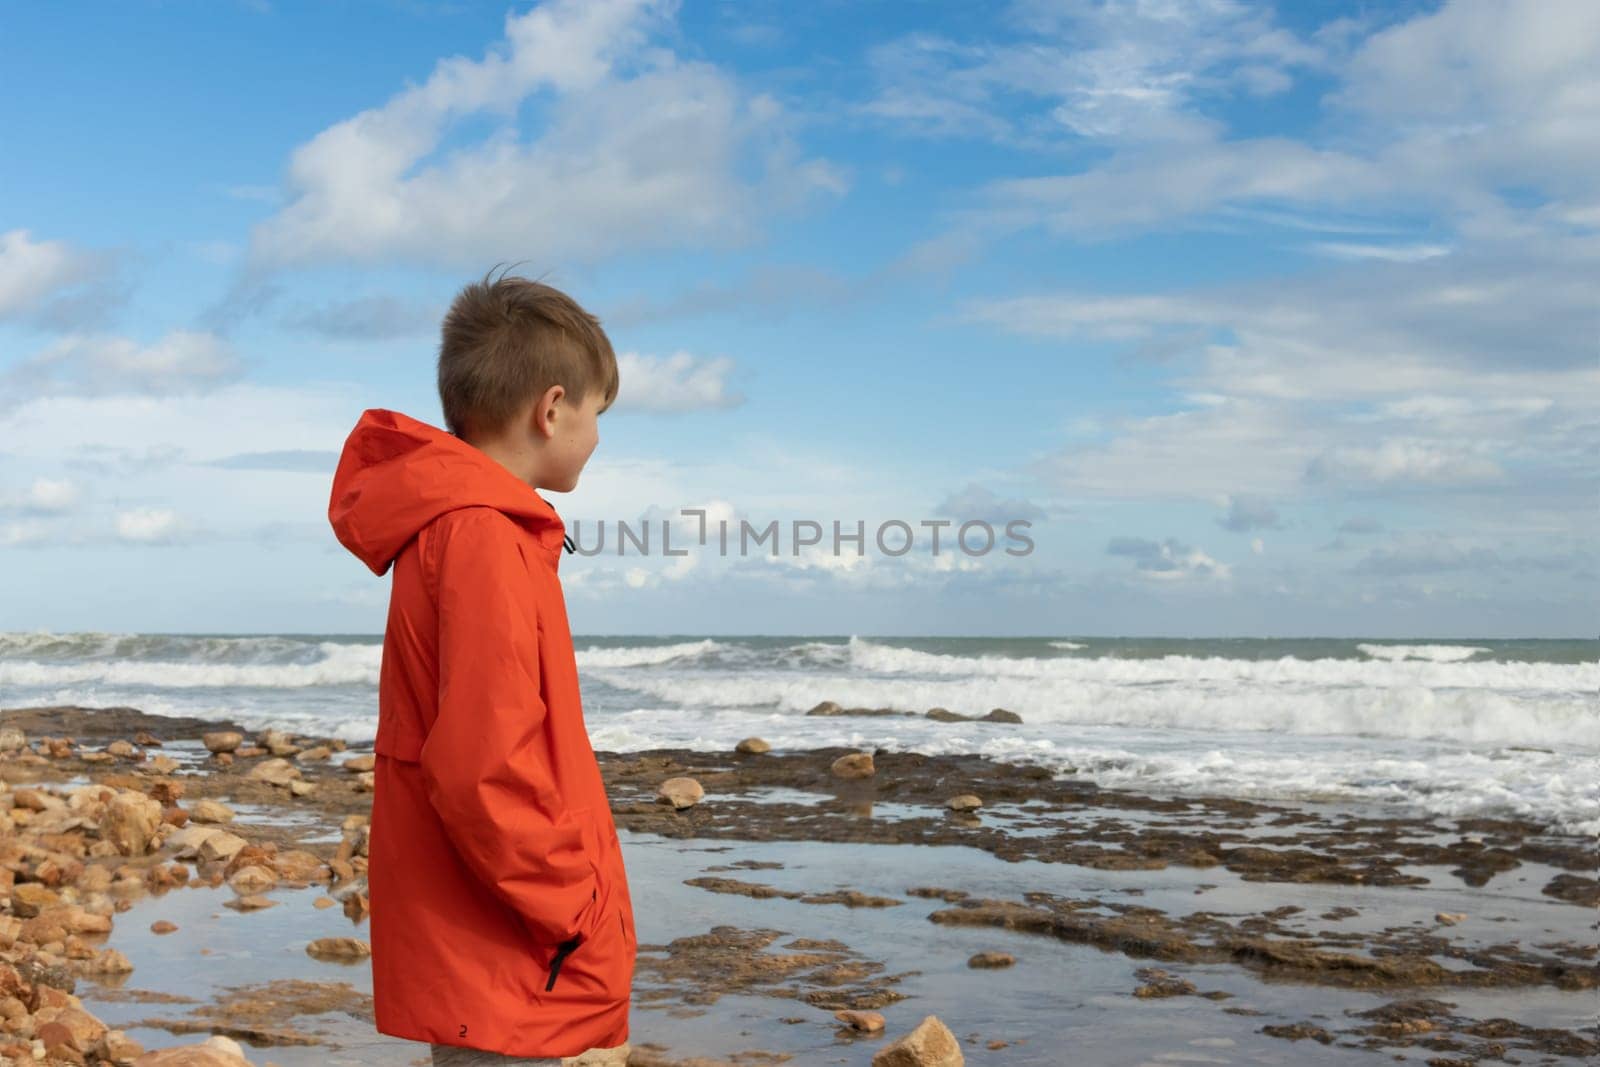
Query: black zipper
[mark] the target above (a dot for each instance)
(563, 950)
(569, 544)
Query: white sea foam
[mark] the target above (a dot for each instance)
(1436, 653)
(337, 664)
(1441, 728)
(646, 655)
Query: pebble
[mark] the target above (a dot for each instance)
(931, 1044)
(854, 765)
(680, 793)
(223, 740)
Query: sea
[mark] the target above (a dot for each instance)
(1451, 728)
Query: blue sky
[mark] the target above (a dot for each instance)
(1270, 320)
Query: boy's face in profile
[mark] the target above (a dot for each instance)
(573, 433)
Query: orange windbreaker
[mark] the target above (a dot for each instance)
(501, 918)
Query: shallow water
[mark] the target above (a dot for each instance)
(1058, 996)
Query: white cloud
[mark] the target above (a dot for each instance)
(149, 525)
(31, 272)
(639, 149)
(50, 496)
(1168, 560)
(183, 361)
(1402, 460)
(676, 383)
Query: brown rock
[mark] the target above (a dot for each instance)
(119, 1049)
(680, 793)
(124, 750)
(215, 1051)
(931, 1044)
(162, 926)
(29, 898)
(110, 961)
(357, 764)
(854, 765)
(991, 959)
(826, 707)
(1450, 918)
(130, 821)
(212, 811)
(869, 1022)
(339, 948)
(316, 752)
(252, 879)
(1002, 715)
(221, 846)
(752, 746)
(964, 802)
(275, 771)
(249, 902)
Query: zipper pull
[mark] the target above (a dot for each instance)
(563, 950)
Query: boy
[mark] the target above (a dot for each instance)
(501, 920)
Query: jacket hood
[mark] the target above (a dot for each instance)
(397, 474)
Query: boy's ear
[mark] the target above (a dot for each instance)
(543, 411)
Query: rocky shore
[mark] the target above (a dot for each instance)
(107, 810)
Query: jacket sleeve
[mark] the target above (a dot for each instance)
(486, 763)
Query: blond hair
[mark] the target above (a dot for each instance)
(505, 341)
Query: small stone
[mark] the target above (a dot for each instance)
(124, 750)
(12, 739)
(366, 782)
(212, 811)
(301, 789)
(854, 765)
(680, 793)
(964, 802)
(221, 846)
(110, 961)
(275, 771)
(752, 746)
(249, 751)
(868, 1022)
(147, 739)
(324, 902)
(357, 764)
(130, 822)
(1002, 715)
(162, 926)
(223, 740)
(223, 759)
(215, 1051)
(339, 948)
(311, 755)
(827, 707)
(249, 902)
(1450, 918)
(991, 959)
(164, 764)
(931, 1044)
(252, 878)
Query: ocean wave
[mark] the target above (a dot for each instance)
(1238, 703)
(1068, 645)
(1434, 653)
(877, 658)
(336, 665)
(646, 655)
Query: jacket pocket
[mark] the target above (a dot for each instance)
(601, 898)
